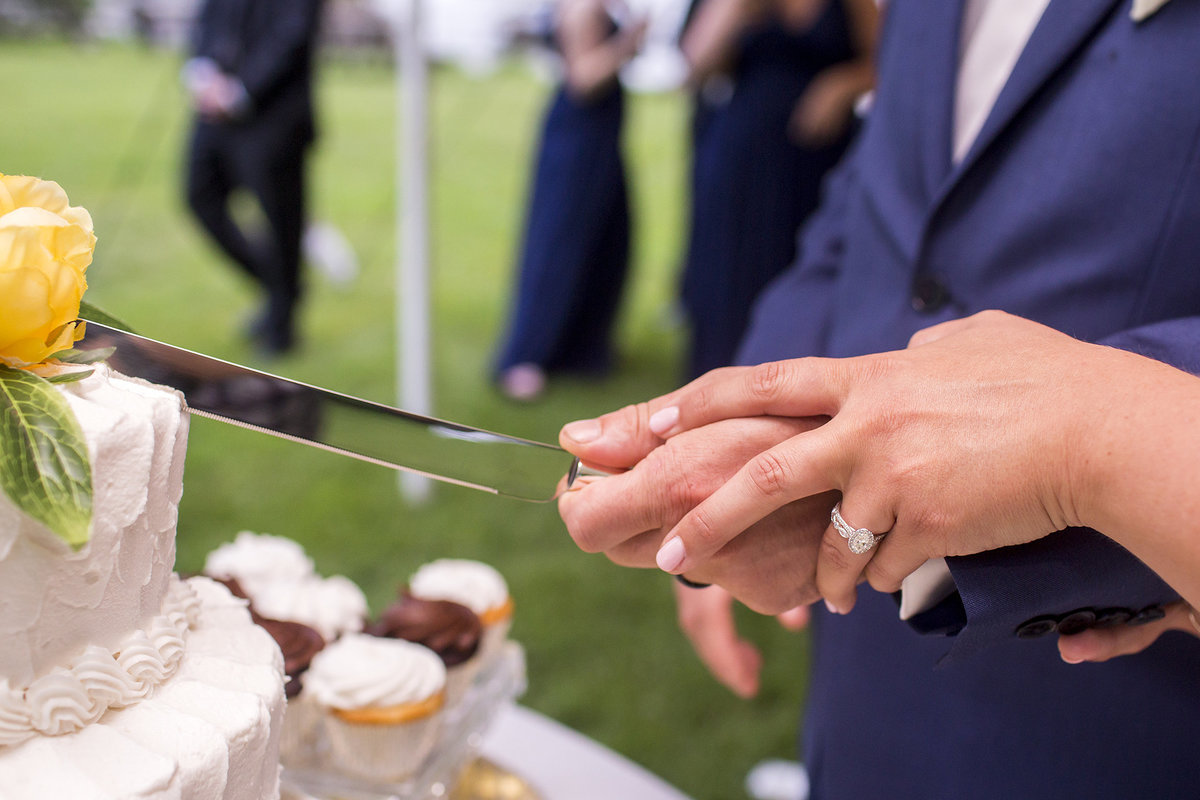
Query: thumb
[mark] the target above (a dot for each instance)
(617, 440)
(795, 619)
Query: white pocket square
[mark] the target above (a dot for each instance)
(1144, 9)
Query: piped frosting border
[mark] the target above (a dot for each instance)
(71, 697)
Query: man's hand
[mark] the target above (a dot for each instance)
(706, 618)
(770, 567)
(1101, 645)
(215, 95)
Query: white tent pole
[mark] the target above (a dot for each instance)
(412, 225)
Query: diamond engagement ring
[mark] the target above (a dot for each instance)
(859, 540)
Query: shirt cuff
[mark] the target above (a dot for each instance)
(925, 588)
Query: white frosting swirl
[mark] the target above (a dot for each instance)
(72, 697)
(473, 584)
(103, 679)
(360, 671)
(281, 583)
(59, 704)
(333, 606)
(141, 659)
(255, 560)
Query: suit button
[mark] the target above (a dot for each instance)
(1112, 617)
(1036, 627)
(1147, 614)
(929, 294)
(1076, 622)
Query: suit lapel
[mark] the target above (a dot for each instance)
(1064, 27)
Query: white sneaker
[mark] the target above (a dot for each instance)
(777, 779)
(330, 252)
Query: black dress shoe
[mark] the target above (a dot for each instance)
(257, 326)
(275, 342)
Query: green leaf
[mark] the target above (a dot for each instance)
(87, 311)
(44, 467)
(83, 356)
(70, 377)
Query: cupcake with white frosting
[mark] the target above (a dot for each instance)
(280, 581)
(383, 700)
(258, 559)
(451, 630)
(477, 586)
(332, 606)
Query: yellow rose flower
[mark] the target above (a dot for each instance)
(46, 246)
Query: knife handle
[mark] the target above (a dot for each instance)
(579, 470)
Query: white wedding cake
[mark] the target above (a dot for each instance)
(118, 679)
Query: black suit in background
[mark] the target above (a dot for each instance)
(259, 144)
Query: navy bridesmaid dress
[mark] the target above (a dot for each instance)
(752, 185)
(575, 251)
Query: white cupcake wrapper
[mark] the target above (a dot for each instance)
(493, 639)
(384, 753)
(298, 741)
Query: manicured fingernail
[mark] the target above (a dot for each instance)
(583, 431)
(670, 555)
(832, 609)
(1072, 659)
(663, 420)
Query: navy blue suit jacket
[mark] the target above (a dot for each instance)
(269, 45)
(1077, 206)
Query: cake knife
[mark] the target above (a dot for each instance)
(444, 451)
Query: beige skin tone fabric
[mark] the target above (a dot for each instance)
(1027, 430)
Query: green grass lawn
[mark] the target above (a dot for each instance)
(604, 653)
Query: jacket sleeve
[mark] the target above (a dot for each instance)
(1175, 342)
(200, 37)
(270, 62)
(1070, 578)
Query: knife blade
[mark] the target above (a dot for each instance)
(402, 440)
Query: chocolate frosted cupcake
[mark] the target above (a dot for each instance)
(301, 721)
(299, 644)
(449, 629)
(477, 586)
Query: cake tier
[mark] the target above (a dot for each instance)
(57, 602)
(209, 732)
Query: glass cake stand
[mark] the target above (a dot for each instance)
(453, 770)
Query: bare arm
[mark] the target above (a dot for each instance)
(1136, 468)
(825, 108)
(593, 59)
(710, 43)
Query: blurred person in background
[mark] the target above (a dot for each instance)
(575, 250)
(250, 78)
(774, 87)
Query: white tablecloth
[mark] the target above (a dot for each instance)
(562, 764)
